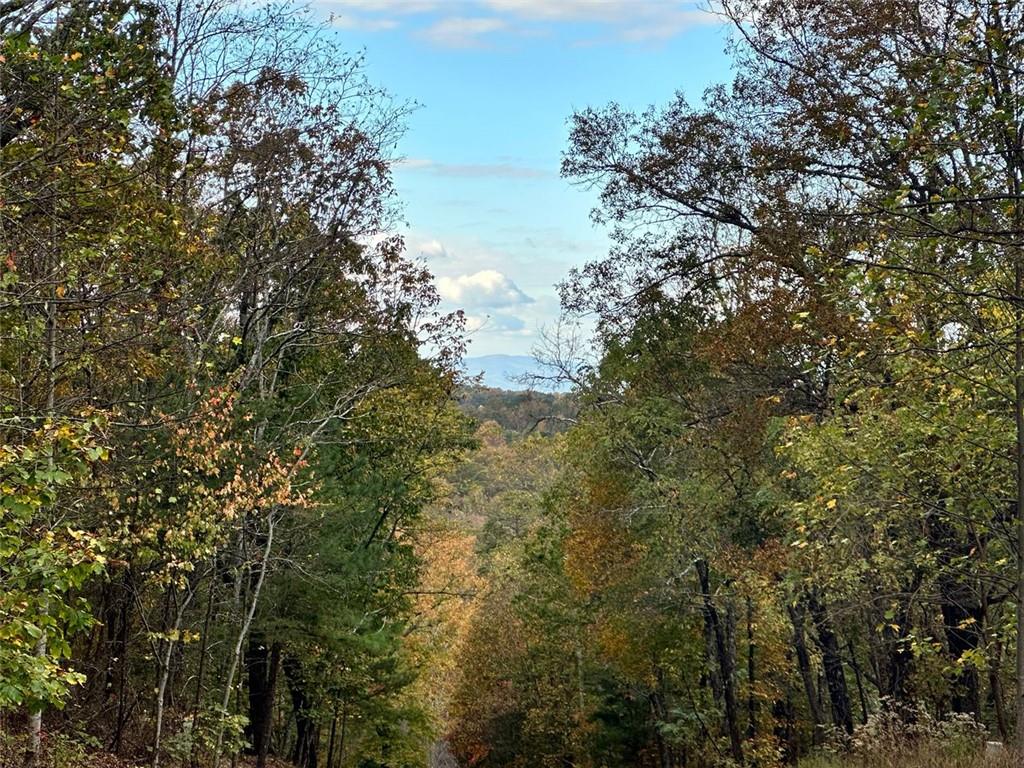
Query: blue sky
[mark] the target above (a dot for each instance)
(497, 81)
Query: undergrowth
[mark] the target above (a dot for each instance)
(910, 737)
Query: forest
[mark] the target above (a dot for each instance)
(253, 513)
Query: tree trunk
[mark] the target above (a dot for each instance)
(859, 677)
(165, 670)
(334, 730)
(726, 662)
(659, 713)
(35, 718)
(751, 697)
(963, 636)
(307, 730)
(262, 663)
(803, 661)
(899, 657)
(960, 605)
(784, 729)
(996, 692)
(831, 659)
(344, 728)
(204, 643)
(1018, 412)
(243, 633)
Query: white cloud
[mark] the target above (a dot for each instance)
(498, 324)
(606, 11)
(505, 324)
(461, 31)
(475, 170)
(486, 288)
(393, 6)
(431, 249)
(667, 27)
(471, 23)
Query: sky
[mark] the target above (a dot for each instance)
(497, 81)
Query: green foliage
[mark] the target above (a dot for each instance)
(45, 561)
(789, 501)
(187, 194)
(241, 506)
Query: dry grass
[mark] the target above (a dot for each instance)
(923, 756)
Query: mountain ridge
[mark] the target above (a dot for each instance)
(501, 371)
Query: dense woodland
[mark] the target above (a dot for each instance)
(251, 513)
(219, 420)
(519, 412)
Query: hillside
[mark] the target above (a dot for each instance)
(257, 509)
(519, 411)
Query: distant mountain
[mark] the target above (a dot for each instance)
(502, 371)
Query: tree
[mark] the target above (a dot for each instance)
(187, 194)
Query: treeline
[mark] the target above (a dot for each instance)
(518, 411)
(218, 419)
(792, 503)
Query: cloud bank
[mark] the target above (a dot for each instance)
(485, 289)
(475, 23)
